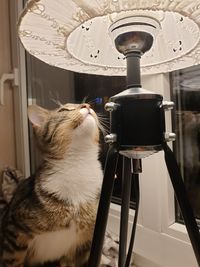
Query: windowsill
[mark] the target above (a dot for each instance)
(170, 248)
(178, 227)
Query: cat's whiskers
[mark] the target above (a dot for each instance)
(57, 102)
(103, 124)
(104, 121)
(103, 130)
(84, 99)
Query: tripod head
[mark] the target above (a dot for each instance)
(136, 115)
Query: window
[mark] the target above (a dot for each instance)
(158, 231)
(186, 93)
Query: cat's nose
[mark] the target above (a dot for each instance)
(85, 105)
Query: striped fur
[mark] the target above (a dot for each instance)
(52, 214)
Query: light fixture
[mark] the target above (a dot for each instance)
(109, 37)
(74, 34)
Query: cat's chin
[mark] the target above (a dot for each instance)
(89, 122)
(88, 126)
(88, 117)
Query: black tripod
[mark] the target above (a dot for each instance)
(137, 131)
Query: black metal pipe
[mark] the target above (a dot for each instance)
(133, 69)
(182, 198)
(126, 193)
(103, 209)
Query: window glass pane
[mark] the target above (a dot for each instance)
(186, 93)
(47, 84)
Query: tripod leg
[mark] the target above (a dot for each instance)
(136, 188)
(181, 195)
(126, 193)
(103, 209)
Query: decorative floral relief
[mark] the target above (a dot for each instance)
(80, 16)
(29, 34)
(43, 53)
(24, 33)
(37, 8)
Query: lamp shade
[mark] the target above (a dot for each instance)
(74, 34)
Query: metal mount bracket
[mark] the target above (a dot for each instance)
(14, 76)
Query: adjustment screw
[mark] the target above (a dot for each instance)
(110, 138)
(170, 137)
(110, 106)
(167, 105)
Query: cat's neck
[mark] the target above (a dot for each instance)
(85, 153)
(77, 177)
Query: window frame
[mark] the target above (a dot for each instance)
(20, 93)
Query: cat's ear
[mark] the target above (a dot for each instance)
(37, 115)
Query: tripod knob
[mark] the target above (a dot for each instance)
(111, 106)
(168, 105)
(170, 137)
(110, 138)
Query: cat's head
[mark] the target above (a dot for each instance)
(56, 130)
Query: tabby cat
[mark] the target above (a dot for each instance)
(52, 214)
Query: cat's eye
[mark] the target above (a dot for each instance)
(62, 109)
(66, 109)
